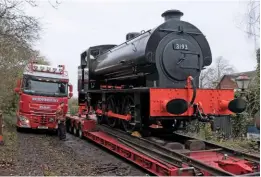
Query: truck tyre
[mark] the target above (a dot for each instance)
(18, 129)
(55, 132)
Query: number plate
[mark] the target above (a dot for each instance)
(42, 127)
(180, 46)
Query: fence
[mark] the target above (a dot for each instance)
(224, 125)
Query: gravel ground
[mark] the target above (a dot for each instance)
(38, 154)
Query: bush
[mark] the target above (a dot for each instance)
(239, 124)
(73, 106)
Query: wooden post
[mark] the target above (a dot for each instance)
(1, 129)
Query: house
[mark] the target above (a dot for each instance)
(228, 81)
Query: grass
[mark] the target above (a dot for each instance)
(8, 151)
(243, 145)
(240, 144)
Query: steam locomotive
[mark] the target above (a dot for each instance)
(153, 78)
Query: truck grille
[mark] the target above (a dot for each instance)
(35, 120)
(43, 120)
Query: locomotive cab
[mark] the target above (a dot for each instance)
(89, 59)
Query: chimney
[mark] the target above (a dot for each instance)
(172, 14)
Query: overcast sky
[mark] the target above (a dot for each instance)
(77, 25)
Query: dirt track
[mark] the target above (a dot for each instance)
(41, 154)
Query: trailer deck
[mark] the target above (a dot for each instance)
(162, 161)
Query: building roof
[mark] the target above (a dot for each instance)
(233, 76)
(250, 74)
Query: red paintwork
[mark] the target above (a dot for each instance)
(114, 115)
(34, 110)
(82, 109)
(212, 101)
(75, 121)
(217, 160)
(111, 87)
(143, 161)
(211, 158)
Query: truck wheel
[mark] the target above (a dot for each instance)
(55, 132)
(18, 129)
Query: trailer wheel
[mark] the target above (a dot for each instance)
(70, 128)
(68, 125)
(80, 131)
(75, 131)
(100, 119)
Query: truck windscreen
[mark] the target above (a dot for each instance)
(45, 87)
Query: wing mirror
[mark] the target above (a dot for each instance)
(18, 86)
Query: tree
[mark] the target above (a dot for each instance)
(15, 26)
(42, 60)
(250, 21)
(210, 77)
(252, 29)
(54, 4)
(18, 32)
(253, 21)
(253, 94)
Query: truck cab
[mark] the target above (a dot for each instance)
(41, 90)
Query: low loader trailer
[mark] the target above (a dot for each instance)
(172, 155)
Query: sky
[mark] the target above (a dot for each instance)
(78, 24)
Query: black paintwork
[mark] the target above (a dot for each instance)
(162, 57)
(152, 58)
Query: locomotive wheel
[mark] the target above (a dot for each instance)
(170, 125)
(111, 105)
(129, 126)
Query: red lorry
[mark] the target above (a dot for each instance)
(41, 89)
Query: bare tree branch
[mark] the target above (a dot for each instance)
(15, 24)
(18, 32)
(211, 76)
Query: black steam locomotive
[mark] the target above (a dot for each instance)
(151, 78)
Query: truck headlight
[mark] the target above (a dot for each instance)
(23, 119)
